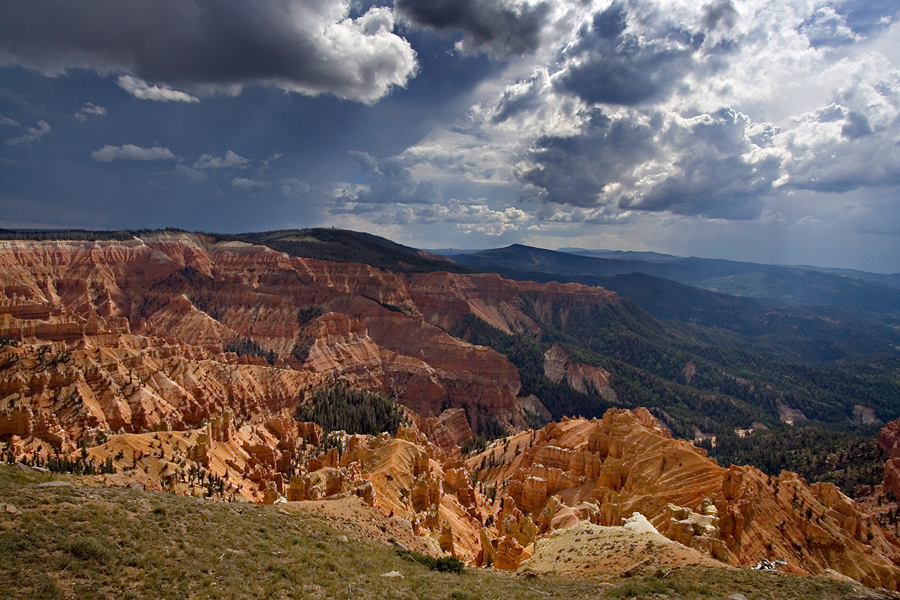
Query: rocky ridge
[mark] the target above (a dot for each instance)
(889, 442)
(604, 471)
(217, 305)
(181, 362)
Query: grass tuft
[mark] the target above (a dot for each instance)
(88, 548)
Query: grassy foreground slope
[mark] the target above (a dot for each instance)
(92, 542)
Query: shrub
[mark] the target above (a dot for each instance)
(88, 548)
(445, 564)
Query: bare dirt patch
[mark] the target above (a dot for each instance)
(587, 549)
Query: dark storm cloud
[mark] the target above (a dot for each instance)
(366, 161)
(713, 175)
(857, 126)
(721, 13)
(613, 66)
(575, 170)
(212, 45)
(710, 167)
(494, 26)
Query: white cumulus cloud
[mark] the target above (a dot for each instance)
(131, 152)
(144, 91)
(231, 160)
(90, 109)
(31, 135)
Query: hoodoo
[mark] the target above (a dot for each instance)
(184, 363)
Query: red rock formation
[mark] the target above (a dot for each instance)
(889, 441)
(627, 463)
(207, 297)
(558, 366)
(449, 430)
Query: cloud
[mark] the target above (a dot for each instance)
(869, 17)
(294, 187)
(32, 135)
(850, 143)
(131, 152)
(6, 121)
(90, 109)
(144, 91)
(717, 165)
(469, 216)
(395, 183)
(230, 161)
(703, 111)
(480, 218)
(611, 65)
(525, 96)
(400, 193)
(857, 126)
(366, 161)
(826, 27)
(244, 184)
(502, 28)
(206, 46)
(578, 169)
(720, 13)
(718, 170)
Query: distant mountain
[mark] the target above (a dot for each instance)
(887, 279)
(451, 251)
(621, 254)
(341, 245)
(770, 284)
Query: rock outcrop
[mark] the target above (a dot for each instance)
(179, 362)
(218, 306)
(889, 442)
(582, 377)
(626, 463)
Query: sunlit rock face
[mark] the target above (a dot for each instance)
(175, 358)
(162, 328)
(606, 470)
(889, 441)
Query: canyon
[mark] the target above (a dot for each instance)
(179, 361)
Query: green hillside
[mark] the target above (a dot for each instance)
(116, 543)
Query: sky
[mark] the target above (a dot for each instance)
(756, 130)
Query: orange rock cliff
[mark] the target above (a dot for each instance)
(180, 362)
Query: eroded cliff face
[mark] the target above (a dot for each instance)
(443, 299)
(496, 506)
(223, 304)
(180, 363)
(122, 382)
(889, 442)
(559, 366)
(604, 471)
